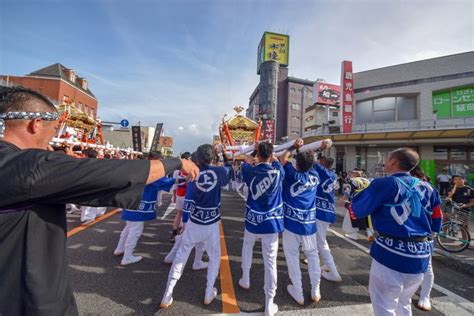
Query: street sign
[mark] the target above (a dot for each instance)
(124, 123)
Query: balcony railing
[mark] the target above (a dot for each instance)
(413, 125)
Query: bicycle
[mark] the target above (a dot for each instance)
(454, 235)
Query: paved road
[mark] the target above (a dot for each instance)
(102, 286)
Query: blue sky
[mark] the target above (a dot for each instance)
(186, 63)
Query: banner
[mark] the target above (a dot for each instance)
(137, 138)
(155, 144)
(347, 96)
(326, 93)
(269, 130)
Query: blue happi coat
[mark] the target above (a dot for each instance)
(325, 210)
(392, 203)
(299, 200)
(264, 208)
(147, 208)
(203, 196)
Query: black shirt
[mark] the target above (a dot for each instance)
(34, 187)
(463, 195)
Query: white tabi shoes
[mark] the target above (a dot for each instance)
(130, 260)
(424, 304)
(210, 295)
(295, 294)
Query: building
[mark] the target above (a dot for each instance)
(122, 138)
(60, 84)
(166, 145)
(427, 105)
(294, 95)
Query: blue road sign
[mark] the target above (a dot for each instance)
(124, 123)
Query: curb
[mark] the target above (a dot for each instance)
(454, 261)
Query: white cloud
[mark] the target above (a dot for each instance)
(191, 101)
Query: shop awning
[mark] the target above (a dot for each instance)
(437, 134)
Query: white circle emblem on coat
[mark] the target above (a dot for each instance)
(207, 180)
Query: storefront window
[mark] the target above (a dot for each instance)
(455, 159)
(458, 154)
(440, 153)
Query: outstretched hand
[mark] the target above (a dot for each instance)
(190, 168)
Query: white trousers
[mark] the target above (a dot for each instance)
(129, 238)
(90, 213)
(269, 253)
(200, 247)
(323, 246)
(192, 236)
(291, 247)
(428, 281)
(391, 291)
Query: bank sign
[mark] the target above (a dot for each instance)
(457, 102)
(347, 96)
(273, 46)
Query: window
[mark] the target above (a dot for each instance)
(386, 109)
(296, 106)
(92, 111)
(65, 99)
(309, 118)
(86, 109)
(364, 112)
(80, 106)
(292, 89)
(297, 118)
(406, 108)
(335, 114)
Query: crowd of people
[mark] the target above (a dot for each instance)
(291, 196)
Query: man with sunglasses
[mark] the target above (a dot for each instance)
(36, 184)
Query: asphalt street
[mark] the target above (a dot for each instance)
(102, 286)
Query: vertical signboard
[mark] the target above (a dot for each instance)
(273, 46)
(269, 130)
(156, 138)
(347, 96)
(137, 138)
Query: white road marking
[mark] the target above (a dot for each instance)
(452, 302)
(170, 209)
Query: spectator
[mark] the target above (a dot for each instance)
(444, 180)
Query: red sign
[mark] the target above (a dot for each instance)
(327, 93)
(347, 96)
(269, 130)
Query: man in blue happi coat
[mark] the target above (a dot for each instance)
(404, 214)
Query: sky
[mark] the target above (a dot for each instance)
(186, 63)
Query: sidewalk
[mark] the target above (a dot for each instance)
(463, 261)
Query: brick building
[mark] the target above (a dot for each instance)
(60, 84)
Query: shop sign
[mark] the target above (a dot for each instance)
(326, 93)
(347, 96)
(458, 102)
(269, 130)
(273, 46)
